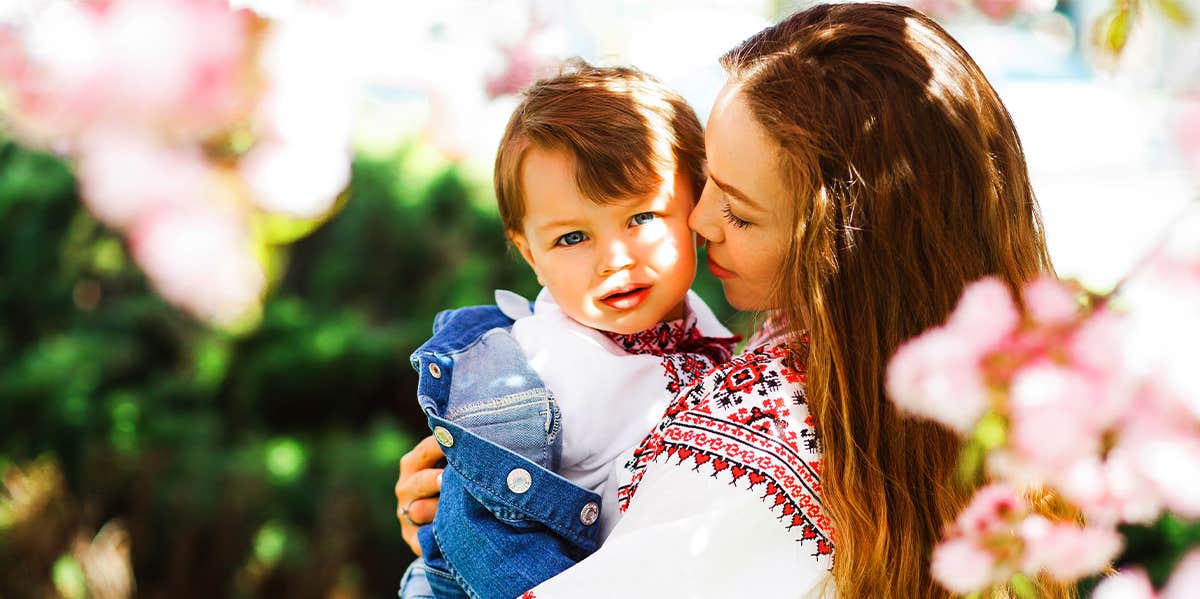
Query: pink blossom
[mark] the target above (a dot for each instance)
(124, 174)
(1053, 421)
(1185, 580)
(1163, 300)
(998, 10)
(1109, 490)
(1096, 344)
(938, 9)
(1126, 584)
(937, 375)
(1049, 302)
(523, 61)
(1002, 10)
(1098, 348)
(304, 120)
(1172, 464)
(963, 566)
(173, 65)
(57, 70)
(176, 63)
(973, 556)
(11, 53)
(1066, 550)
(985, 315)
(200, 259)
(300, 180)
(992, 511)
(310, 85)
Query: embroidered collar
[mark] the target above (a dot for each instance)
(676, 336)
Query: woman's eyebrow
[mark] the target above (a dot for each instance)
(735, 193)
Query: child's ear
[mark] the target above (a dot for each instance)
(518, 239)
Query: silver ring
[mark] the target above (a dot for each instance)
(408, 517)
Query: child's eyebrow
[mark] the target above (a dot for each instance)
(556, 224)
(735, 193)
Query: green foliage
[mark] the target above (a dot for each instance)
(252, 465)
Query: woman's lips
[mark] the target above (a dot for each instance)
(626, 300)
(719, 271)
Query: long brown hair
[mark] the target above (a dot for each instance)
(909, 183)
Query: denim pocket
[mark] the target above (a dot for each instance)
(527, 423)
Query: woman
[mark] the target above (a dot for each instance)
(862, 172)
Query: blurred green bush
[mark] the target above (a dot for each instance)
(251, 465)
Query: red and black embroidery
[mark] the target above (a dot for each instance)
(681, 370)
(686, 353)
(680, 336)
(745, 423)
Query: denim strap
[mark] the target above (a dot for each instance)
(552, 500)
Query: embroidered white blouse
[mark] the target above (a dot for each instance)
(610, 388)
(722, 498)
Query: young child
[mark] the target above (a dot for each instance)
(595, 176)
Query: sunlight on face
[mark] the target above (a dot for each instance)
(620, 267)
(744, 213)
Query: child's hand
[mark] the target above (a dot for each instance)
(417, 489)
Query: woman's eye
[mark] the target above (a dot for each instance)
(572, 238)
(642, 218)
(733, 219)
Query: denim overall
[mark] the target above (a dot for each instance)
(505, 520)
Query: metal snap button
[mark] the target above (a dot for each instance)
(519, 480)
(443, 436)
(435, 370)
(589, 513)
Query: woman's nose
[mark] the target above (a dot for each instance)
(704, 219)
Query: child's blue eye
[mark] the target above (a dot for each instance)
(642, 218)
(572, 238)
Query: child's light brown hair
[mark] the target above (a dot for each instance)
(623, 127)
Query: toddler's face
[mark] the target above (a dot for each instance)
(621, 267)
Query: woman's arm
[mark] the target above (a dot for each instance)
(417, 489)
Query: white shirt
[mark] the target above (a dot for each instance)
(608, 399)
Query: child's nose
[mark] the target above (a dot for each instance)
(617, 255)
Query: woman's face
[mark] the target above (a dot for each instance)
(744, 212)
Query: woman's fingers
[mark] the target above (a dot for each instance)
(415, 512)
(423, 510)
(425, 455)
(423, 484)
(409, 533)
(417, 489)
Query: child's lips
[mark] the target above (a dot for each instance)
(626, 298)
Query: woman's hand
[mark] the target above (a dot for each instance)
(417, 489)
